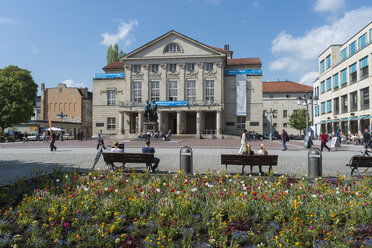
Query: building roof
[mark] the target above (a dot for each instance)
(114, 65)
(244, 61)
(220, 49)
(285, 87)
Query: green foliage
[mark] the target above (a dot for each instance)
(113, 54)
(298, 120)
(17, 96)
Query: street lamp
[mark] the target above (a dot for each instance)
(307, 100)
(271, 113)
(61, 115)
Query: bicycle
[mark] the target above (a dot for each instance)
(98, 156)
(367, 153)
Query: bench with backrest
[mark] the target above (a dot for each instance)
(359, 161)
(253, 160)
(123, 157)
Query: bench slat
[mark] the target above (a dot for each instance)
(128, 157)
(361, 161)
(234, 159)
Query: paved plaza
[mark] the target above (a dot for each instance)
(29, 159)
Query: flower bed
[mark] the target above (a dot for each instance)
(112, 209)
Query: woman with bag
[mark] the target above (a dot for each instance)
(243, 141)
(324, 140)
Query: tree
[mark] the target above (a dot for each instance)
(113, 54)
(298, 120)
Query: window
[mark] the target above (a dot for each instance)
(343, 78)
(317, 91)
(322, 66)
(329, 84)
(364, 98)
(154, 68)
(284, 113)
(352, 73)
(240, 122)
(322, 86)
(209, 90)
(137, 92)
(344, 107)
(275, 113)
(172, 91)
(362, 41)
(323, 107)
(172, 48)
(352, 48)
(336, 106)
(111, 97)
(344, 54)
(329, 106)
(363, 68)
(191, 91)
(172, 67)
(288, 96)
(328, 61)
(271, 96)
(370, 35)
(353, 101)
(208, 66)
(316, 110)
(136, 68)
(190, 67)
(335, 81)
(275, 125)
(285, 125)
(155, 95)
(111, 123)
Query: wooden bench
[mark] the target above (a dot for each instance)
(263, 160)
(359, 161)
(123, 157)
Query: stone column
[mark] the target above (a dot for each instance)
(218, 123)
(179, 122)
(198, 123)
(360, 128)
(145, 86)
(121, 122)
(140, 121)
(126, 122)
(160, 121)
(348, 127)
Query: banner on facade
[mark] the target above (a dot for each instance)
(171, 103)
(241, 94)
(108, 75)
(244, 72)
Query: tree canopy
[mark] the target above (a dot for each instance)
(113, 54)
(18, 93)
(298, 120)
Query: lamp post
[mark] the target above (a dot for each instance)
(271, 113)
(61, 115)
(306, 100)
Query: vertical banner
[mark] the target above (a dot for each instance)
(241, 94)
(50, 125)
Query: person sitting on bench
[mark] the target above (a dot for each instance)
(148, 149)
(262, 151)
(116, 147)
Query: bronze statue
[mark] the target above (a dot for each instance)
(146, 107)
(151, 111)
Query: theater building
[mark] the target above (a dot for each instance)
(200, 90)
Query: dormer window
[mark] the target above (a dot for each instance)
(172, 48)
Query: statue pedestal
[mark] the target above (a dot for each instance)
(150, 126)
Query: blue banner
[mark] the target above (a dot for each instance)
(244, 72)
(108, 75)
(171, 103)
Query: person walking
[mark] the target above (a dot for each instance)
(148, 149)
(366, 138)
(100, 140)
(323, 141)
(243, 141)
(52, 141)
(285, 138)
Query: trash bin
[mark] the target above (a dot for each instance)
(314, 163)
(186, 159)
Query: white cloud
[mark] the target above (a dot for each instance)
(309, 78)
(71, 83)
(6, 20)
(329, 5)
(303, 51)
(35, 50)
(122, 34)
(214, 2)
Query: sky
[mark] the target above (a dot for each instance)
(66, 41)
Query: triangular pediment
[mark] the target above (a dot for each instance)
(188, 46)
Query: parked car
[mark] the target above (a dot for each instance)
(33, 137)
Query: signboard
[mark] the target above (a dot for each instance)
(241, 94)
(33, 128)
(171, 103)
(243, 72)
(108, 75)
(335, 142)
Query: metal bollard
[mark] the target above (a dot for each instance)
(314, 163)
(186, 159)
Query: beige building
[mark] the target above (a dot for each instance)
(196, 86)
(344, 85)
(74, 103)
(281, 98)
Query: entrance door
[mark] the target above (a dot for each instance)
(172, 122)
(191, 123)
(210, 123)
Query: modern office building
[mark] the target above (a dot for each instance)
(280, 97)
(345, 85)
(200, 90)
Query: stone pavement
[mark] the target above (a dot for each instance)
(18, 160)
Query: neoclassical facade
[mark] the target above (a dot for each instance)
(200, 90)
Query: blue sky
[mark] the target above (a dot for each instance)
(66, 41)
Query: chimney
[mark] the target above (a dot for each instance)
(42, 102)
(226, 47)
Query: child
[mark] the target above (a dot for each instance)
(262, 151)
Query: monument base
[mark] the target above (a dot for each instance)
(150, 126)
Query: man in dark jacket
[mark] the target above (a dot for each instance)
(366, 138)
(52, 141)
(149, 149)
(285, 138)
